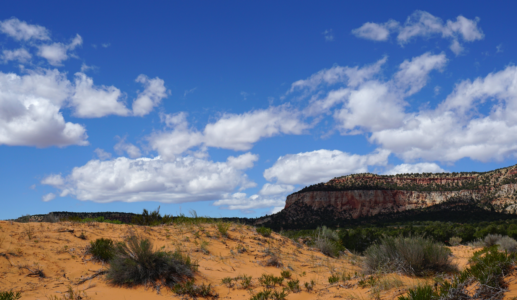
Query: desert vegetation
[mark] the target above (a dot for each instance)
(198, 257)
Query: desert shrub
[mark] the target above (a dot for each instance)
(245, 281)
(293, 285)
(454, 241)
(264, 295)
(333, 279)
(492, 239)
(102, 249)
(489, 266)
(508, 244)
(264, 231)
(326, 246)
(276, 295)
(408, 255)
(274, 261)
(151, 219)
(285, 274)
(193, 290)
(228, 281)
(223, 228)
(309, 286)
(269, 281)
(135, 262)
(423, 292)
(10, 295)
(327, 233)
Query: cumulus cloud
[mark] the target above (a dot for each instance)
(352, 76)
(240, 131)
(374, 31)
(231, 131)
(56, 53)
(275, 189)
(21, 31)
(150, 97)
(21, 55)
(131, 150)
(387, 97)
(415, 168)
(240, 201)
(184, 179)
(54, 180)
(423, 24)
(48, 197)
(101, 154)
(458, 128)
(30, 110)
(322, 165)
(91, 101)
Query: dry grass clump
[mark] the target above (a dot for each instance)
(407, 255)
(455, 241)
(10, 295)
(135, 262)
(326, 241)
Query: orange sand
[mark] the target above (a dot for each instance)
(61, 257)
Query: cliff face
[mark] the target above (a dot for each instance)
(366, 195)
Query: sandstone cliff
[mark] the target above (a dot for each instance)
(367, 195)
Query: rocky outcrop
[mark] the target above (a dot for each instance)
(366, 195)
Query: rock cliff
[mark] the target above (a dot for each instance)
(367, 195)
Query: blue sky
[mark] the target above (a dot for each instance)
(227, 107)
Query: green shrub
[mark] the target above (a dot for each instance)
(294, 285)
(228, 281)
(489, 266)
(135, 262)
(269, 281)
(264, 295)
(102, 249)
(309, 286)
(408, 255)
(151, 219)
(223, 228)
(189, 288)
(276, 295)
(245, 281)
(285, 274)
(333, 279)
(454, 241)
(264, 231)
(424, 292)
(10, 295)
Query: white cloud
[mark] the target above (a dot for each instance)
(48, 197)
(171, 143)
(414, 74)
(499, 48)
(374, 31)
(322, 165)
(21, 31)
(329, 35)
(241, 202)
(365, 92)
(101, 154)
(54, 180)
(20, 55)
(91, 101)
(458, 128)
(242, 162)
(105, 45)
(131, 150)
(184, 179)
(30, 110)
(189, 91)
(274, 189)
(415, 168)
(337, 74)
(56, 53)
(423, 24)
(240, 131)
(32, 187)
(150, 97)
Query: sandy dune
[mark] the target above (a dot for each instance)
(59, 253)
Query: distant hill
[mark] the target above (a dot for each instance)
(369, 197)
